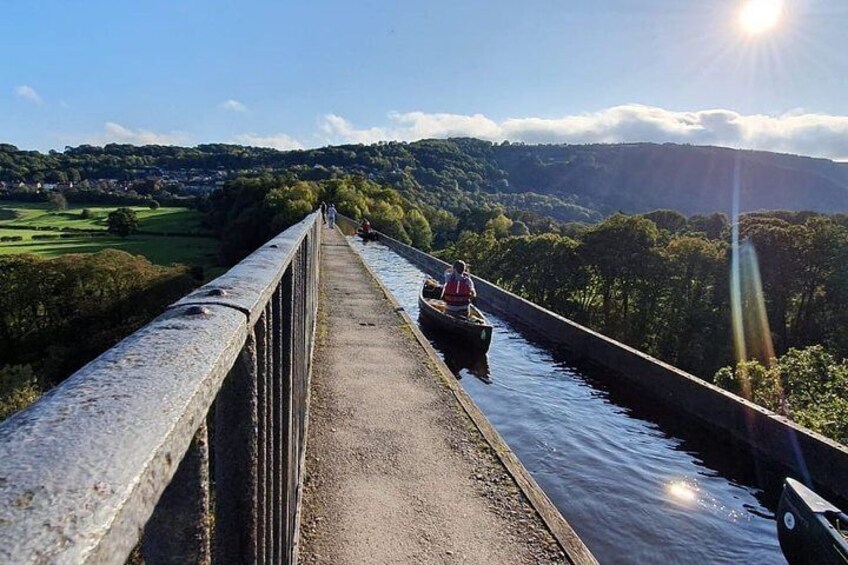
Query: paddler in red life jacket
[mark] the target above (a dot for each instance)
(366, 226)
(458, 289)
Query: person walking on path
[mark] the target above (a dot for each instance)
(323, 212)
(331, 216)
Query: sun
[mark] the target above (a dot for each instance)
(759, 16)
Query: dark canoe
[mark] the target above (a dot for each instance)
(474, 330)
(810, 528)
(367, 235)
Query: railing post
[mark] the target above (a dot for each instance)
(178, 531)
(263, 495)
(283, 331)
(236, 451)
(296, 391)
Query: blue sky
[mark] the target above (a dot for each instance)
(304, 74)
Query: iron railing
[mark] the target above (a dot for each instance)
(188, 431)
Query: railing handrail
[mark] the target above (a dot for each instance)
(82, 469)
(248, 286)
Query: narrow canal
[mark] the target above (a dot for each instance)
(638, 484)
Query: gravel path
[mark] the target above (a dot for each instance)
(396, 472)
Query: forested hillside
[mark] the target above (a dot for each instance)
(565, 182)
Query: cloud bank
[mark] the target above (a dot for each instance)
(797, 132)
(803, 133)
(232, 106)
(28, 93)
(280, 141)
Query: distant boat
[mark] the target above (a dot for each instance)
(811, 530)
(369, 235)
(473, 329)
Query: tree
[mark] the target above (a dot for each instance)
(669, 220)
(690, 324)
(419, 230)
(499, 225)
(56, 176)
(58, 202)
(807, 385)
(74, 175)
(780, 248)
(622, 252)
(122, 222)
(18, 389)
(712, 226)
(519, 228)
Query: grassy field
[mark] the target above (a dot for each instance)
(162, 250)
(165, 219)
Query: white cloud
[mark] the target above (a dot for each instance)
(116, 133)
(232, 106)
(28, 93)
(280, 141)
(340, 130)
(794, 132)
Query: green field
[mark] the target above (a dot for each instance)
(162, 250)
(165, 219)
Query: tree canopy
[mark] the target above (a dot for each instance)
(57, 314)
(122, 222)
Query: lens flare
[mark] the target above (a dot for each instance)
(758, 16)
(751, 331)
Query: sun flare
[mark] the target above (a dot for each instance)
(682, 492)
(759, 16)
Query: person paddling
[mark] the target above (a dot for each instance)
(458, 290)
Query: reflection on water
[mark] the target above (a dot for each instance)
(683, 492)
(459, 357)
(639, 484)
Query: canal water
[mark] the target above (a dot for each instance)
(637, 483)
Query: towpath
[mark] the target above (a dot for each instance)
(396, 472)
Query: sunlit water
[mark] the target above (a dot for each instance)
(639, 484)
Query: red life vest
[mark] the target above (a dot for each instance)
(457, 292)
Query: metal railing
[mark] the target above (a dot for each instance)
(190, 430)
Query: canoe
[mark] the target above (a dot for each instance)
(474, 330)
(810, 529)
(367, 235)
